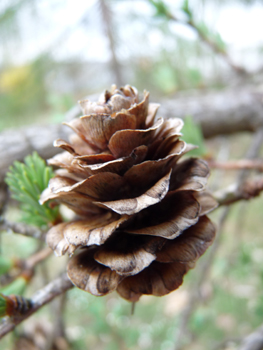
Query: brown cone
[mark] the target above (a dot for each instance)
(140, 223)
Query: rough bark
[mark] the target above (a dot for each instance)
(218, 112)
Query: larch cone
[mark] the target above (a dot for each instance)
(140, 209)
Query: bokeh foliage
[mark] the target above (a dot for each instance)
(173, 61)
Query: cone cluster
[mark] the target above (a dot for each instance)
(140, 221)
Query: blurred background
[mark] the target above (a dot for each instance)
(54, 53)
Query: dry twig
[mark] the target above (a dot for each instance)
(36, 258)
(218, 112)
(21, 228)
(255, 164)
(202, 272)
(253, 341)
(107, 21)
(39, 299)
(222, 52)
(211, 44)
(248, 189)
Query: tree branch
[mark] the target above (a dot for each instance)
(21, 228)
(39, 299)
(248, 189)
(218, 112)
(218, 50)
(107, 19)
(213, 45)
(253, 341)
(256, 164)
(36, 258)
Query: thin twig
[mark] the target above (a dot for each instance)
(36, 258)
(59, 327)
(28, 265)
(213, 45)
(58, 334)
(21, 228)
(107, 21)
(253, 341)
(39, 299)
(3, 198)
(253, 152)
(218, 50)
(202, 273)
(248, 189)
(244, 189)
(255, 164)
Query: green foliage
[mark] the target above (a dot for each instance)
(213, 36)
(194, 76)
(3, 305)
(192, 134)
(111, 318)
(8, 17)
(186, 9)
(17, 287)
(26, 182)
(165, 77)
(202, 27)
(219, 42)
(160, 7)
(59, 104)
(23, 91)
(5, 265)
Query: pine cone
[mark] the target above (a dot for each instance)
(141, 221)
